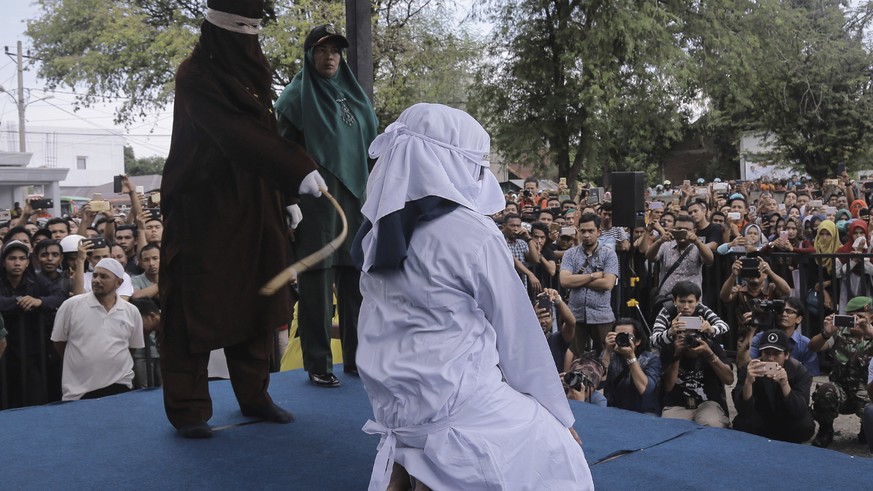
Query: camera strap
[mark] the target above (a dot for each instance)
(676, 264)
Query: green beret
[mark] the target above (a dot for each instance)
(859, 304)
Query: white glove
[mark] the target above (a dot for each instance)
(312, 184)
(295, 215)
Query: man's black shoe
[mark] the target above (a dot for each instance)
(269, 412)
(195, 430)
(324, 379)
(350, 370)
(825, 436)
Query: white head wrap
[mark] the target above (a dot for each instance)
(112, 265)
(233, 22)
(431, 150)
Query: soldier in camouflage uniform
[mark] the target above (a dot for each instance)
(851, 349)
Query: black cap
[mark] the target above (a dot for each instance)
(322, 34)
(776, 339)
(15, 244)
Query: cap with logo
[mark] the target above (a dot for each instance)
(322, 34)
(776, 339)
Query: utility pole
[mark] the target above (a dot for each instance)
(22, 144)
(359, 32)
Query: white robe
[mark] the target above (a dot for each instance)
(431, 337)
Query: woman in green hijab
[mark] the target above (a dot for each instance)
(325, 110)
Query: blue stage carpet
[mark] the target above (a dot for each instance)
(125, 442)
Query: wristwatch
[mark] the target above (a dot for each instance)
(632, 361)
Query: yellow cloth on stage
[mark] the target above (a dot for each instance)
(292, 359)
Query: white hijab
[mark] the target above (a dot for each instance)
(431, 150)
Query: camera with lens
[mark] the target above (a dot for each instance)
(692, 338)
(576, 380)
(527, 193)
(623, 339)
(764, 313)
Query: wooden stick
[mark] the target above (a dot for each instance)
(311, 260)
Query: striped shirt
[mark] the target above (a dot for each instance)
(661, 339)
(609, 238)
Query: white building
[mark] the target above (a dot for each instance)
(18, 179)
(755, 159)
(93, 156)
(56, 158)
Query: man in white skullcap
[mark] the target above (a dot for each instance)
(94, 334)
(462, 385)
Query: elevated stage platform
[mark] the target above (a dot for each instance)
(125, 442)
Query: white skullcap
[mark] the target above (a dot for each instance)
(111, 265)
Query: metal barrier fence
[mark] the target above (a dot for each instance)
(37, 375)
(27, 368)
(30, 370)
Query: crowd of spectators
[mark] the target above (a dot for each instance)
(79, 300)
(766, 284)
(761, 284)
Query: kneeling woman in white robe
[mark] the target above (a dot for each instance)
(463, 388)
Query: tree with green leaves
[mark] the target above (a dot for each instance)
(129, 50)
(796, 71)
(584, 87)
(422, 58)
(143, 166)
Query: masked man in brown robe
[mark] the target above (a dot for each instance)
(228, 169)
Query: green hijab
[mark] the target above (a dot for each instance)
(336, 118)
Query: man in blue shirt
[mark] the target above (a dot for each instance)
(590, 271)
(633, 371)
(789, 320)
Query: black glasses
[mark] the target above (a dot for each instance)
(790, 311)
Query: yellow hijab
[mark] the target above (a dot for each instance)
(827, 245)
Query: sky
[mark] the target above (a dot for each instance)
(148, 137)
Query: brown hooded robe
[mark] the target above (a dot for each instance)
(226, 182)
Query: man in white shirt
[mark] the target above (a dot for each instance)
(97, 250)
(94, 334)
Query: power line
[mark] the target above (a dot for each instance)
(133, 135)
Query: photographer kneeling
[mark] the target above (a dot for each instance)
(633, 371)
(772, 393)
(686, 302)
(696, 370)
(788, 318)
(582, 380)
